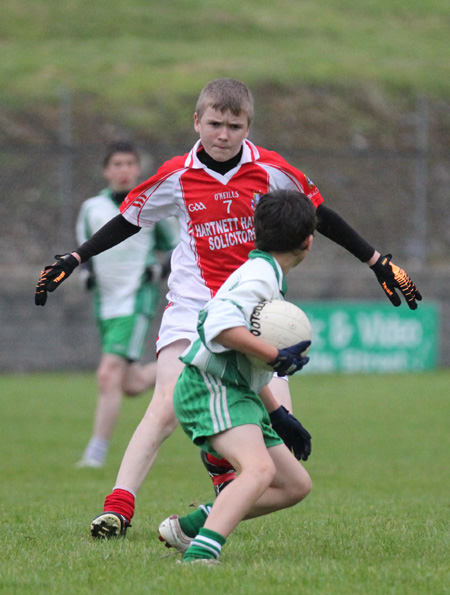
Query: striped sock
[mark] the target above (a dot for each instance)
(207, 545)
(192, 523)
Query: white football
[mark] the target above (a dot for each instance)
(280, 324)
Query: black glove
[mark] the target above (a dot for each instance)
(293, 434)
(153, 273)
(291, 360)
(53, 275)
(90, 281)
(392, 277)
(156, 272)
(87, 277)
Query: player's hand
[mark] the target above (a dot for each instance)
(156, 272)
(291, 360)
(90, 281)
(291, 431)
(87, 278)
(53, 275)
(153, 273)
(392, 277)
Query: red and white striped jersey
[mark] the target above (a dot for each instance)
(215, 212)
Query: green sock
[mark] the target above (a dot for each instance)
(192, 523)
(207, 545)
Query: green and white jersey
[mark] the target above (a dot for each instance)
(258, 279)
(120, 288)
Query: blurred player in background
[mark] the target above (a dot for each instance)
(124, 282)
(212, 191)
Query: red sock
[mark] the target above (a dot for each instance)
(218, 480)
(228, 472)
(219, 462)
(120, 501)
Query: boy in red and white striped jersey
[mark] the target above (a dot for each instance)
(212, 191)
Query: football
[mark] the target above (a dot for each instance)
(280, 324)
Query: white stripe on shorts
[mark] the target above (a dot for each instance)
(217, 402)
(138, 336)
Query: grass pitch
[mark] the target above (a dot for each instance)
(127, 51)
(376, 522)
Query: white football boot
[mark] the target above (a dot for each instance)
(171, 533)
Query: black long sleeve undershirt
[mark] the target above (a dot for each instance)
(119, 229)
(333, 227)
(329, 224)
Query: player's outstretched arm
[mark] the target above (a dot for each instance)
(112, 233)
(53, 275)
(392, 277)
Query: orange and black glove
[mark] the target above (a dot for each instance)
(392, 277)
(53, 275)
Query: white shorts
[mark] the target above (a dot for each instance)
(179, 320)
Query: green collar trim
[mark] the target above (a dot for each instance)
(282, 284)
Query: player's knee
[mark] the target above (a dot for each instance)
(108, 376)
(110, 372)
(269, 472)
(129, 390)
(263, 471)
(299, 487)
(160, 415)
(138, 379)
(133, 384)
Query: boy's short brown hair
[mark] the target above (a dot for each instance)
(226, 94)
(119, 146)
(283, 221)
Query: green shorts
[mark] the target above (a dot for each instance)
(206, 406)
(124, 336)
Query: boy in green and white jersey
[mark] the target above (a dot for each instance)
(125, 286)
(222, 400)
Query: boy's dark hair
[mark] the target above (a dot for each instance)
(283, 221)
(226, 94)
(120, 146)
